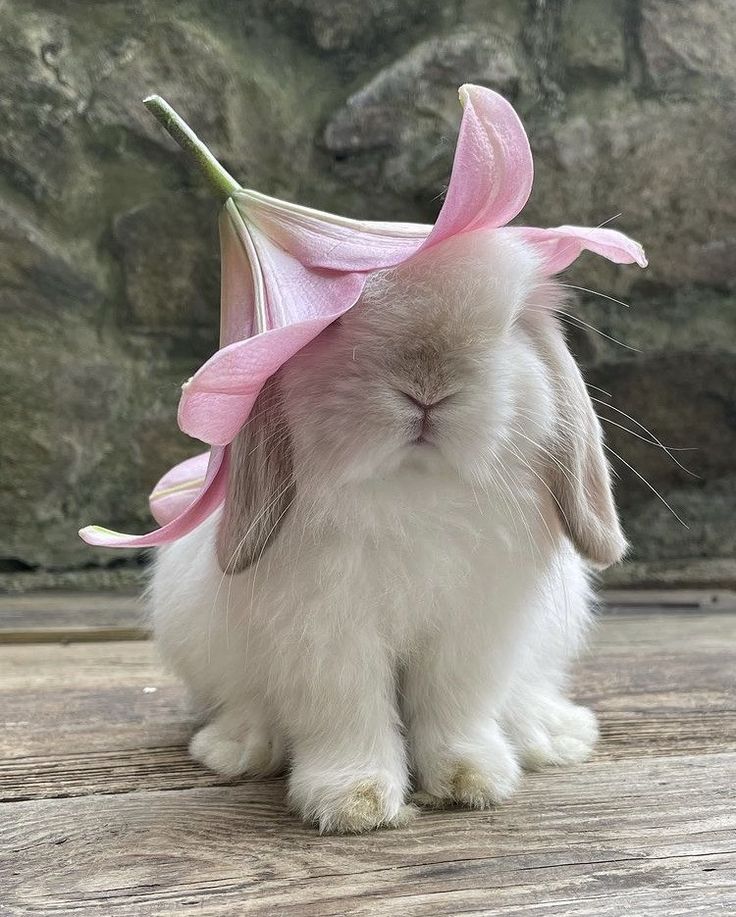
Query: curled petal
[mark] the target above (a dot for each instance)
(178, 488)
(210, 497)
(492, 172)
(491, 180)
(560, 246)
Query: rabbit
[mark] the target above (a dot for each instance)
(400, 576)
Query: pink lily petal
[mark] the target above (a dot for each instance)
(237, 293)
(178, 488)
(298, 303)
(324, 240)
(193, 489)
(491, 181)
(298, 293)
(493, 170)
(218, 399)
(559, 247)
(210, 497)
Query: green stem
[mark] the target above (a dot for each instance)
(221, 181)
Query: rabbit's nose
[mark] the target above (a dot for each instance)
(422, 433)
(425, 405)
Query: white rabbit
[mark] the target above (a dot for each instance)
(399, 578)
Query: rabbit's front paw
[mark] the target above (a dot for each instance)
(477, 779)
(365, 804)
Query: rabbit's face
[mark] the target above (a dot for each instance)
(453, 361)
(426, 369)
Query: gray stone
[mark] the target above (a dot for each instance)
(88, 419)
(713, 262)
(176, 59)
(38, 275)
(42, 89)
(645, 161)
(593, 38)
(88, 428)
(170, 259)
(130, 579)
(683, 399)
(685, 39)
(405, 117)
(342, 25)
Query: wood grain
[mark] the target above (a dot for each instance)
(647, 600)
(47, 617)
(619, 826)
(101, 811)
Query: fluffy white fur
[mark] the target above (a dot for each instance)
(410, 621)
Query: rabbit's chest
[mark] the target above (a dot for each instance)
(422, 560)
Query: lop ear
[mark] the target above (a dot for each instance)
(576, 469)
(260, 483)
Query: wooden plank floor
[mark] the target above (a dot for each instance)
(101, 812)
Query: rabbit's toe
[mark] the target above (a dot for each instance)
(472, 786)
(480, 789)
(361, 806)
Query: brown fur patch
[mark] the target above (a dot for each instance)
(260, 483)
(576, 469)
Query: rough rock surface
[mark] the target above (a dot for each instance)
(108, 250)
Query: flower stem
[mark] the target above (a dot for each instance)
(219, 178)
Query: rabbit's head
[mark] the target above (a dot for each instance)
(451, 363)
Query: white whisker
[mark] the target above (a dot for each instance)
(651, 487)
(572, 286)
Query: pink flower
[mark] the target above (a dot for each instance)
(289, 271)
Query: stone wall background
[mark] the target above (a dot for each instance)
(108, 249)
